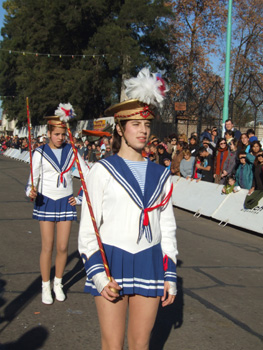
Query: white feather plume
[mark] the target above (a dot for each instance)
(146, 87)
(65, 112)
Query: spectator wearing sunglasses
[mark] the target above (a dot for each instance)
(214, 135)
(221, 156)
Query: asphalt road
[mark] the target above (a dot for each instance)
(219, 305)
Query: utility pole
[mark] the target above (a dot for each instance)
(227, 66)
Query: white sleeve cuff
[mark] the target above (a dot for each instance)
(78, 202)
(100, 280)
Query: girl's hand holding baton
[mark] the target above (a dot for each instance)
(33, 193)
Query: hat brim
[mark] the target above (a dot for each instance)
(55, 121)
(130, 109)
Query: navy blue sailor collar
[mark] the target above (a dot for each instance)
(156, 177)
(49, 155)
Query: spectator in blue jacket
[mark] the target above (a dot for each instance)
(244, 173)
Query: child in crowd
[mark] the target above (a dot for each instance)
(187, 164)
(197, 175)
(230, 185)
(167, 163)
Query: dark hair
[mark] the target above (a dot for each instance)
(231, 176)
(116, 144)
(220, 140)
(230, 133)
(183, 144)
(257, 162)
(234, 141)
(242, 153)
(202, 149)
(228, 120)
(253, 143)
(250, 131)
(173, 136)
(160, 147)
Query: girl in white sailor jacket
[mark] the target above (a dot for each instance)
(131, 200)
(54, 203)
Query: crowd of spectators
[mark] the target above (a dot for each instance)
(21, 143)
(235, 160)
(90, 151)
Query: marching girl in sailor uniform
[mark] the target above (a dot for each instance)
(54, 202)
(131, 200)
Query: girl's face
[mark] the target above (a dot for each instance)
(137, 133)
(222, 144)
(192, 141)
(231, 182)
(242, 159)
(232, 146)
(167, 162)
(187, 156)
(57, 137)
(256, 148)
(260, 157)
(244, 139)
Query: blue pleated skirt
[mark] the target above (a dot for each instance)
(47, 209)
(140, 273)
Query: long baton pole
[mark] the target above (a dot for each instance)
(30, 143)
(104, 259)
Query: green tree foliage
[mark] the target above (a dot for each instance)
(111, 37)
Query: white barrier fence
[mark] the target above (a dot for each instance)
(202, 198)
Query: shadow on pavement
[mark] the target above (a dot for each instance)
(2, 289)
(16, 306)
(74, 275)
(31, 340)
(168, 318)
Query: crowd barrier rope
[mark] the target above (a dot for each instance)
(201, 198)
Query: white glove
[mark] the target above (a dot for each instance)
(100, 280)
(172, 290)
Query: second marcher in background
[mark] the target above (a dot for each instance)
(54, 202)
(131, 200)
